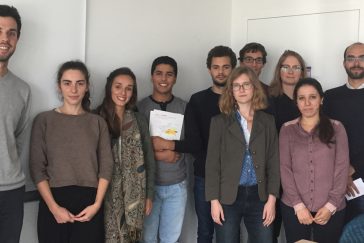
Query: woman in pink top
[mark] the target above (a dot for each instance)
(314, 167)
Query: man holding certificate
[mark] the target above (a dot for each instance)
(165, 113)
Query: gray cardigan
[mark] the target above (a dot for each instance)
(225, 155)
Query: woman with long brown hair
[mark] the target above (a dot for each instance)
(130, 194)
(314, 157)
(289, 69)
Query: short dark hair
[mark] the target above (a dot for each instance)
(80, 66)
(10, 11)
(253, 47)
(164, 60)
(221, 51)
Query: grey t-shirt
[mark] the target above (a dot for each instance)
(166, 173)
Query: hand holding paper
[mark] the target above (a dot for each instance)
(360, 185)
(167, 125)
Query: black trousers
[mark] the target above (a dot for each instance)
(11, 215)
(74, 199)
(328, 233)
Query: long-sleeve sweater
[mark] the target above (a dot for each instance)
(200, 109)
(346, 105)
(14, 119)
(70, 149)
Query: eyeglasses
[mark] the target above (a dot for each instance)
(250, 60)
(354, 59)
(286, 69)
(244, 86)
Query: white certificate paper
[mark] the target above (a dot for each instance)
(360, 185)
(167, 125)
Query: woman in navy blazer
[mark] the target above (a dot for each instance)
(242, 166)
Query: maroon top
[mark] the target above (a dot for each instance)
(313, 174)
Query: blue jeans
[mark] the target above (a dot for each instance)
(11, 215)
(248, 207)
(205, 229)
(167, 214)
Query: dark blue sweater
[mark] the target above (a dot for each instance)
(347, 106)
(200, 109)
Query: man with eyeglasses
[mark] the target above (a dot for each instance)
(345, 103)
(254, 55)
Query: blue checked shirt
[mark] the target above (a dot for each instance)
(247, 177)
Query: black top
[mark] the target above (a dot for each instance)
(347, 106)
(283, 109)
(163, 105)
(265, 88)
(200, 109)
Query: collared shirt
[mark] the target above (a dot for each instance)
(248, 176)
(351, 87)
(313, 174)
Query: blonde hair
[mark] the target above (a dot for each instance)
(227, 102)
(275, 88)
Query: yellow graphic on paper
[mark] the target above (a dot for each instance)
(171, 131)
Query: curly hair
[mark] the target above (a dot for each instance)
(227, 102)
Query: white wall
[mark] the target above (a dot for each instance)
(323, 50)
(133, 33)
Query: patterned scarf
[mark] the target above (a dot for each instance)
(125, 198)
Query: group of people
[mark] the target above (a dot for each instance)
(102, 178)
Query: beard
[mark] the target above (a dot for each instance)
(7, 57)
(355, 75)
(218, 83)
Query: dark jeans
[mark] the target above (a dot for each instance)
(75, 199)
(328, 233)
(11, 215)
(205, 229)
(354, 208)
(248, 207)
